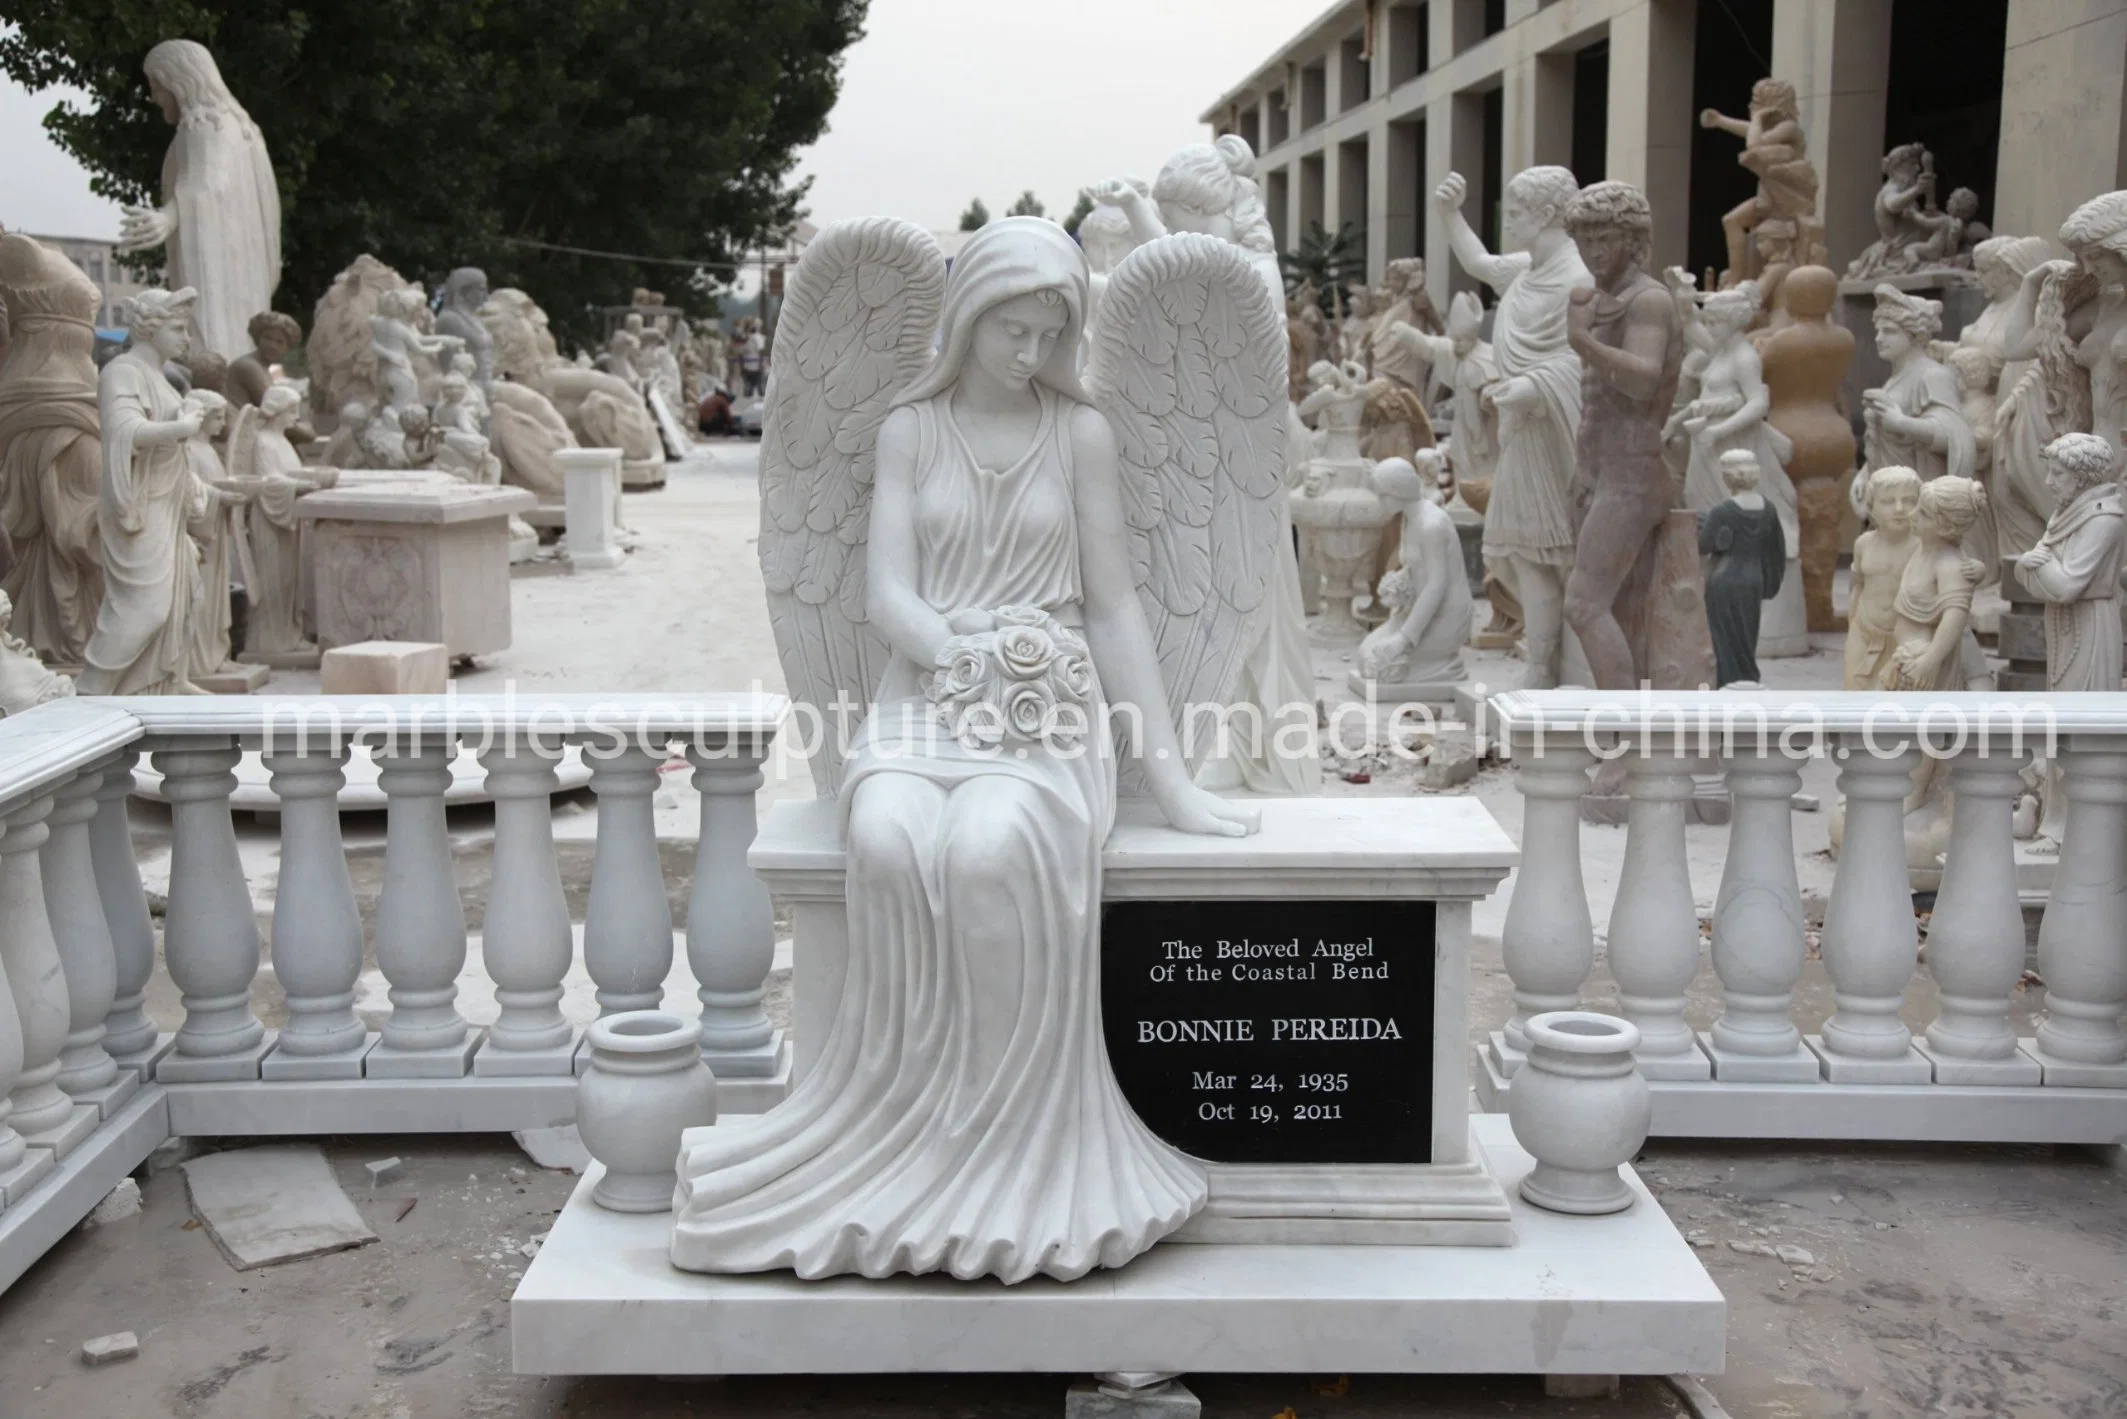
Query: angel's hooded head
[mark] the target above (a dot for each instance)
(1011, 259)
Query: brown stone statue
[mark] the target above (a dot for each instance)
(1805, 361)
(1775, 151)
(1626, 333)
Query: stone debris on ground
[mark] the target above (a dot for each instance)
(105, 1349)
(559, 1148)
(273, 1204)
(119, 1203)
(384, 1170)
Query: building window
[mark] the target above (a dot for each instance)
(1355, 80)
(1277, 119)
(1408, 44)
(1314, 95)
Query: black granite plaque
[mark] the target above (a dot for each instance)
(1274, 1032)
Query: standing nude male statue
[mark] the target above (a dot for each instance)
(1626, 333)
(1529, 522)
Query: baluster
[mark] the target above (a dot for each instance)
(86, 1072)
(1758, 948)
(730, 919)
(525, 934)
(1654, 924)
(1976, 936)
(210, 934)
(43, 1114)
(1870, 941)
(2082, 943)
(627, 923)
(1548, 938)
(21, 1166)
(420, 924)
(317, 931)
(129, 1035)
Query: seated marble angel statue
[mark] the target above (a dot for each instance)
(962, 1115)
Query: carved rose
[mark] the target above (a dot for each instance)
(1074, 676)
(962, 670)
(1025, 651)
(1028, 708)
(981, 726)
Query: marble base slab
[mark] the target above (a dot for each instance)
(1576, 1295)
(555, 1061)
(1330, 1204)
(175, 1068)
(1502, 1059)
(1689, 1064)
(143, 1062)
(18, 1182)
(1415, 692)
(2019, 1069)
(64, 1137)
(281, 1065)
(1889, 1113)
(730, 1066)
(1798, 1066)
(1912, 1067)
(110, 1098)
(236, 678)
(448, 1062)
(307, 659)
(2075, 1074)
(69, 1191)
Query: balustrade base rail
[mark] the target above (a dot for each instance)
(1890, 1113)
(34, 1223)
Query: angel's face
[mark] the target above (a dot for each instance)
(1014, 338)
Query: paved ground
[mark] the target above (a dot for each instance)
(1941, 1281)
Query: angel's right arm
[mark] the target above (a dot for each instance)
(903, 617)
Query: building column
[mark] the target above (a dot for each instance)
(1837, 54)
(1651, 118)
(1379, 145)
(2063, 112)
(1538, 112)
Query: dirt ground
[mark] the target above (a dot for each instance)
(1939, 1281)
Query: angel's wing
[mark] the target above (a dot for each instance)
(1190, 369)
(856, 329)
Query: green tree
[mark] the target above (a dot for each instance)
(976, 217)
(1028, 205)
(443, 133)
(1332, 260)
(1080, 210)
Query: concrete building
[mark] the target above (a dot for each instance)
(1367, 108)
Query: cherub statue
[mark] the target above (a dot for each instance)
(1952, 233)
(402, 352)
(1775, 150)
(462, 449)
(601, 410)
(2075, 568)
(1419, 647)
(216, 525)
(965, 1056)
(1880, 555)
(24, 682)
(264, 465)
(1106, 238)
(1911, 233)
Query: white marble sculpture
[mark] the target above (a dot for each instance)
(2075, 568)
(1463, 361)
(1031, 554)
(1528, 523)
(1335, 508)
(2020, 425)
(1417, 653)
(24, 682)
(405, 358)
(341, 354)
(264, 465)
(142, 644)
(1727, 412)
(601, 410)
(1915, 419)
(624, 352)
(464, 292)
(1211, 188)
(50, 460)
(2097, 233)
(463, 451)
(217, 528)
(220, 220)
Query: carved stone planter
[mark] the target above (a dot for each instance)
(1581, 1109)
(646, 1084)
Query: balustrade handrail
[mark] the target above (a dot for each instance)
(51, 743)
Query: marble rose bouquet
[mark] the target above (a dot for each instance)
(1027, 680)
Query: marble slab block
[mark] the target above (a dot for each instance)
(175, 1068)
(1912, 1067)
(111, 1097)
(592, 483)
(1798, 1066)
(18, 1182)
(1575, 1295)
(347, 1064)
(450, 1062)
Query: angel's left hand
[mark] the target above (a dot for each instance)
(1193, 810)
(971, 621)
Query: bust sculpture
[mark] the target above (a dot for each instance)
(974, 1125)
(1775, 151)
(273, 336)
(1417, 653)
(1529, 520)
(1744, 540)
(50, 453)
(220, 220)
(142, 643)
(1805, 362)
(24, 682)
(1624, 329)
(464, 292)
(2075, 568)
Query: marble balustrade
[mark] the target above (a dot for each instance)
(1871, 1071)
(86, 1077)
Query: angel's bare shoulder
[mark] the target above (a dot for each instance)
(1090, 431)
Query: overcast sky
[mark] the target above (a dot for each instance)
(943, 100)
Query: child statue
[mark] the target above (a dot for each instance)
(216, 525)
(264, 463)
(2075, 568)
(24, 682)
(1744, 536)
(1934, 600)
(1880, 555)
(1417, 653)
(401, 350)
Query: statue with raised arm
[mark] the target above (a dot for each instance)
(1529, 521)
(143, 639)
(1625, 330)
(220, 221)
(988, 554)
(1775, 151)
